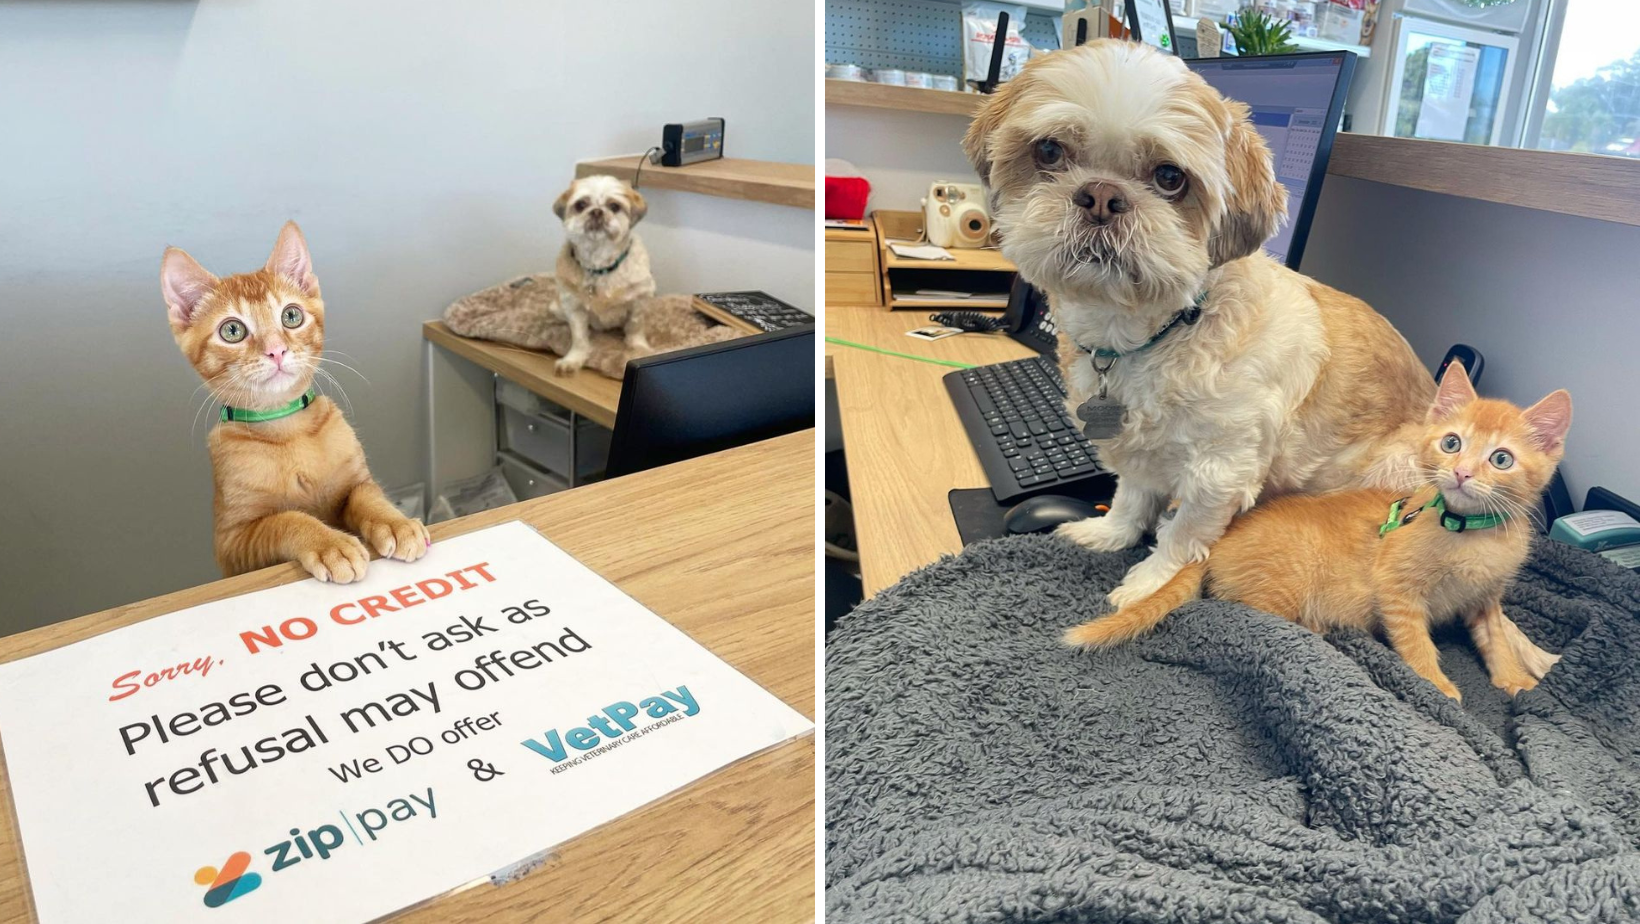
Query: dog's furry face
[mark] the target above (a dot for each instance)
(599, 210)
(1118, 176)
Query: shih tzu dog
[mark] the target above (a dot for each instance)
(603, 269)
(1138, 199)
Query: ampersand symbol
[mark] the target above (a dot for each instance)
(482, 771)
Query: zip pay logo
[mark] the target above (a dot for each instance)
(228, 883)
(318, 843)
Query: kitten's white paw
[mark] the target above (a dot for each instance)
(403, 539)
(638, 343)
(338, 557)
(1101, 534)
(570, 364)
(1142, 580)
(1538, 661)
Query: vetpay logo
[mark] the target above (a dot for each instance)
(613, 726)
(230, 882)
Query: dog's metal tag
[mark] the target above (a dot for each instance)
(1101, 417)
(1101, 414)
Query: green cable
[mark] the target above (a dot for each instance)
(922, 359)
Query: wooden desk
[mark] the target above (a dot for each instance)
(590, 394)
(905, 445)
(728, 557)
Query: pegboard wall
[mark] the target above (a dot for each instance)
(915, 35)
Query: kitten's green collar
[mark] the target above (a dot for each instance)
(1455, 523)
(241, 415)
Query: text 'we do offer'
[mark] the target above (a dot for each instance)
(355, 612)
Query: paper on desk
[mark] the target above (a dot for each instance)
(921, 252)
(418, 731)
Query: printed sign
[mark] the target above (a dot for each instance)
(323, 752)
(1449, 86)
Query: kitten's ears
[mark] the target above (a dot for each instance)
(185, 285)
(290, 260)
(1454, 393)
(1549, 420)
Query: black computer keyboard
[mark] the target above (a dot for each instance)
(759, 308)
(1015, 416)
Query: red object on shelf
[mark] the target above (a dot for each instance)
(846, 197)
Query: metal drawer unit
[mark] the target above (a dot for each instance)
(527, 481)
(545, 436)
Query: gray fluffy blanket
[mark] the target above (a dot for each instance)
(1230, 767)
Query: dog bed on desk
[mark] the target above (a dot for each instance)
(1230, 767)
(520, 312)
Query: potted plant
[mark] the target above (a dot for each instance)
(1256, 33)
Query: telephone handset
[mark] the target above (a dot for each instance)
(1028, 319)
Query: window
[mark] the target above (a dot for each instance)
(1588, 95)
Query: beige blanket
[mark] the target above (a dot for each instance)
(520, 312)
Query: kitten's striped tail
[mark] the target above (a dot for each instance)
(1135, 620)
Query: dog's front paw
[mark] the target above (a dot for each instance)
(638, 344)
(1101, 534)
(1142, 580)
(335, 556)
(400, 538)
(570, 364)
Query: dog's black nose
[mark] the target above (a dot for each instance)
(1101, 201)
(596, 213)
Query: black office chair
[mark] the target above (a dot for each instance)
(691, 402)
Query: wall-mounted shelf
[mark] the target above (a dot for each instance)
(1586, 185)
(1185, 25)
(905, 99)
(726, 177)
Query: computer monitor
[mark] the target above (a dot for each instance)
(690, 402)
(1296, 102)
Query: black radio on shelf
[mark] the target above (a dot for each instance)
(691, 142)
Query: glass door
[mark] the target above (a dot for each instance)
(1448, 83)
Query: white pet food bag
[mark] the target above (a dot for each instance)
(979, 31)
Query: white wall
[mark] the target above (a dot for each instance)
(1549, 300)
(420, 146)
(901, 153)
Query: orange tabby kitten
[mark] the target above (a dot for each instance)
(1346, 560)
(290, 475)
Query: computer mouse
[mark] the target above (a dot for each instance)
(1035, 514)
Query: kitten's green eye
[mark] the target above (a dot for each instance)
(1502, 459)
(291, 316)
(1451, 443)
(232, 330)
